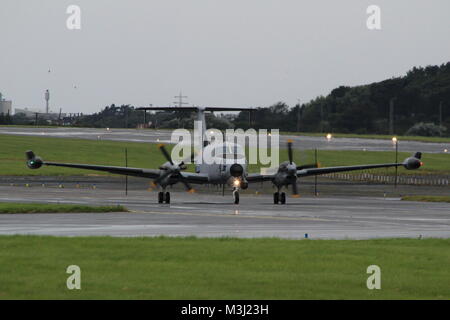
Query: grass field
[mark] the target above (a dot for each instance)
(9, 207)
(189, 268)
(12, 156)
(427, 198)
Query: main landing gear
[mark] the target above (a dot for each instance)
(163, 197)
(279, 197)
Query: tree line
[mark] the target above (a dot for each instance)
(414, 104)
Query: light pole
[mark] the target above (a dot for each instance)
(395, 142)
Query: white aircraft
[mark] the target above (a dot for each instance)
(228, 168)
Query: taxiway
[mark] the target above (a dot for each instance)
(211, 215)
(163, 136)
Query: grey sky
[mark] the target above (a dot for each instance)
(219, 52)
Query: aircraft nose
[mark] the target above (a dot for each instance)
(236, 170)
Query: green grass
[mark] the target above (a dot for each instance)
(427, 198)
(9, 207)
(146, 155)
(12, 155)
(372, 136)
(188, 268)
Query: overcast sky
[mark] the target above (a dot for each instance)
(245, 53)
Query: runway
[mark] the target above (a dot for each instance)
(163, 136)
(211, 215)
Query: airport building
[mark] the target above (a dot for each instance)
(31, 113)
(5, 105)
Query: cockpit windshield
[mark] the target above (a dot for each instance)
(229, 151)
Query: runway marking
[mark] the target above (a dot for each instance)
(229, 215)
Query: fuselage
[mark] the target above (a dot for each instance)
(223, 163)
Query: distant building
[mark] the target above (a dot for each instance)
(5, 105)
(28, 112)
(31, 113)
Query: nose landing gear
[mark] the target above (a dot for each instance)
(236, 196)
(163, 197)
(279, 197)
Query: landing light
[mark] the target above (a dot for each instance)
(329, 136)
(394, 140)
(445, 150)
(236, 183)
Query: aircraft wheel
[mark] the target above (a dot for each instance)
(276, 198)
(236, 197)
(160, 197)
(283, 198)
(167, 197)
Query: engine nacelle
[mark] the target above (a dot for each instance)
(34, 163)
(412, 163)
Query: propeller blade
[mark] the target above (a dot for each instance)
(165, 153)
(295, 190)
(290, 151)
(186, 184)
(162, 177)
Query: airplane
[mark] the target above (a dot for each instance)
(229, 167)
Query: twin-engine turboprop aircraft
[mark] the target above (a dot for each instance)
(228, 168)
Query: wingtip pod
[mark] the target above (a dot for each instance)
(413, 162)
(33, 162)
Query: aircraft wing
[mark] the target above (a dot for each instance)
(137, 172)
(197, 178)
(410, 163)
(318, 171)
(34, 162)
(256, 177)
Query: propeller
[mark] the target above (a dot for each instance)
(290, 153)
(173, 169)
(292, 169)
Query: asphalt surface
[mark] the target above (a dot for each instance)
(163, 136)
(211, 215)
